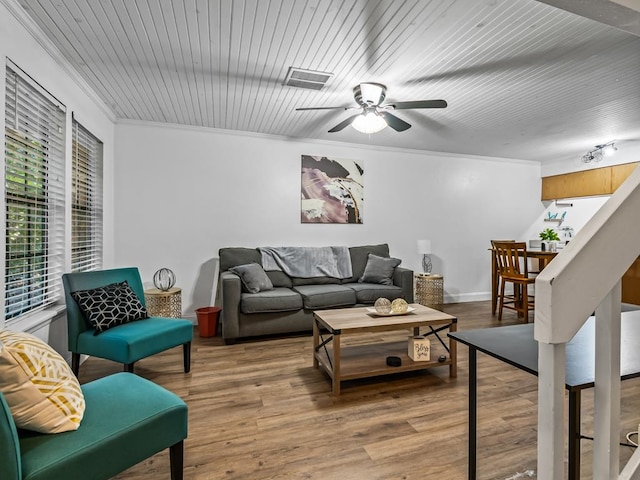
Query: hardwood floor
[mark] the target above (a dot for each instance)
(258, 410)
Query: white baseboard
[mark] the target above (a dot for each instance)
(467, 297)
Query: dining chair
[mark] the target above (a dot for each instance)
(511, 258)
(535, 244)
(127, 419)
(496, 270)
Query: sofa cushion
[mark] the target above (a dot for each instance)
(276, 300)
(279, 279)
(315, 281)
(369, 292)
(234, 256)
(379, 270)
(325, 296)
(359, 257)
(253, 278)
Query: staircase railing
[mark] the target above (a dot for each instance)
(585, 277)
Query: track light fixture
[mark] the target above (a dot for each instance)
(599, 152)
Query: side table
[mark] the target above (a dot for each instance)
(164, 303)
(429, 290)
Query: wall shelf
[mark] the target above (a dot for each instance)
(559, 220)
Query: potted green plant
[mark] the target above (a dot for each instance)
(548, 237)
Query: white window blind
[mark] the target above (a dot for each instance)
(34, 196)
(86, 208)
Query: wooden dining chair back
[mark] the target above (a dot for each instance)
(511, 259)
(495, 272)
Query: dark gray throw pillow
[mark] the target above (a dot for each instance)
(253, 277)
(109, 306)
(379, 270)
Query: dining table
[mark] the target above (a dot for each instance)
(543, 257)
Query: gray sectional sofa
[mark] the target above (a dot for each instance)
(288, 306)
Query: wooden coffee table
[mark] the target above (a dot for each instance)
(370, 360)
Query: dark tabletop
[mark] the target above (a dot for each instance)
(516, 346)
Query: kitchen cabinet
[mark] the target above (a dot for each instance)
(586, 183)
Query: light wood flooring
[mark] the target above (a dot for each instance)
(258, 410)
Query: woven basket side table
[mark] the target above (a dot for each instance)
(429, 290)
(164, 303)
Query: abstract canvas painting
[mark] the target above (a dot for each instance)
(332, 190)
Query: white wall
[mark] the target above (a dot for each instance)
(576, 215)
(183, 193)
(22, 42)
(628, 151)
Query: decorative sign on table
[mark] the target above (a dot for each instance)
(332, 190)
(419, 349)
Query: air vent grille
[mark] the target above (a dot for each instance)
(300, 78)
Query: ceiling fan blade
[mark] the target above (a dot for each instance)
(325, 108)
(394, 122)
(343, 124)
(418, 104)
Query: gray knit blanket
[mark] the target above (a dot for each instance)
(308, 262)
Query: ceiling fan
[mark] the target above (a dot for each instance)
(374, 115)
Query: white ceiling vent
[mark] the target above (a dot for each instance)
(297, 77)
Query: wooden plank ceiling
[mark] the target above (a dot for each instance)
(523, 79)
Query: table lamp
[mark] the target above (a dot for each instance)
(424, 248)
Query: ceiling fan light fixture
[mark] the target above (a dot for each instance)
(370, 93)
(369, 122)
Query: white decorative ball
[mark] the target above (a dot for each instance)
(383, 305)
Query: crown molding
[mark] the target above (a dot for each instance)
(327, 143)
(16, 10)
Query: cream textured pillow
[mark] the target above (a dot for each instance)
(40, 388)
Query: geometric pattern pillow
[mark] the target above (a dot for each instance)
(109, 306)
(42, 392)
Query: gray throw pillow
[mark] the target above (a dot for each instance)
(253, 277)
(379, 270)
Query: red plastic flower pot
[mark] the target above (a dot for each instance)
(208, 320)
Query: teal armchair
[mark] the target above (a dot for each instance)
(126, 420)
(126, 343)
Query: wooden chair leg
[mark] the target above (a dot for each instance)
(128, 367)
(176, 457)
(525, 303)
(186, 354)
(518, 299)
(501, 300)
(75, 363)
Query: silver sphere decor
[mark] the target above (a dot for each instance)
(164, 279)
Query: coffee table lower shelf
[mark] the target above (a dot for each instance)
(363, 361)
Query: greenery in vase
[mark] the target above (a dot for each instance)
(549, 234)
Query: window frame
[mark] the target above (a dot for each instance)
(34, 196)
(87, 199)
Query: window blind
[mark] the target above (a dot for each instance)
(86, 207)
(34, 197)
